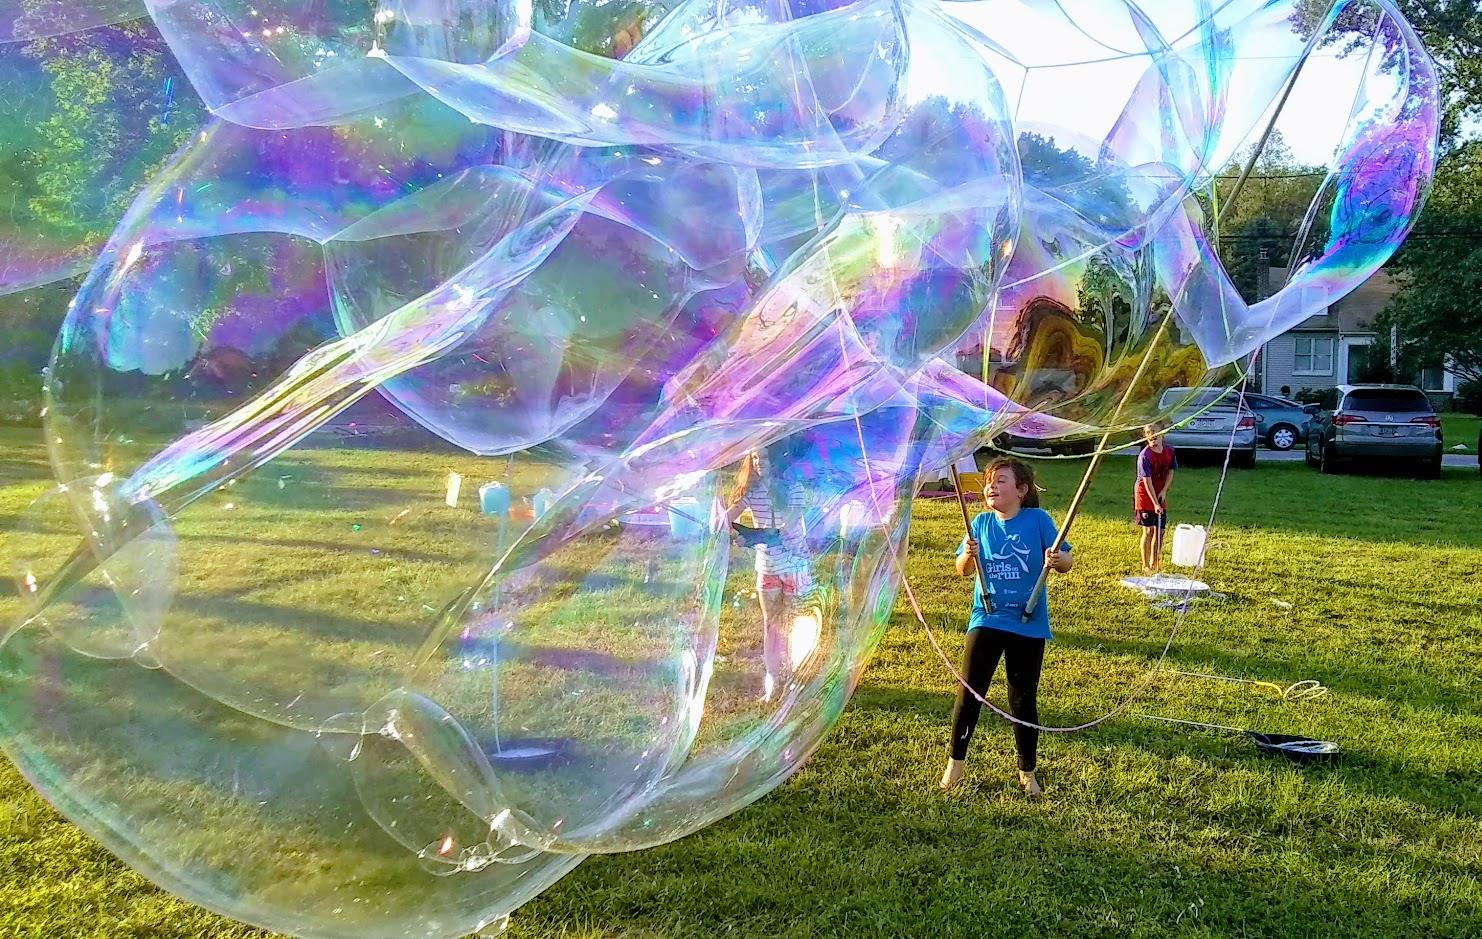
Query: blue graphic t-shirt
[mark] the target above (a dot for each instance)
(1013, 556)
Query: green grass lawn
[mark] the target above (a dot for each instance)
(1460, 429)
(1370, 584)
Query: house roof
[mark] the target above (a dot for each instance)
(1356, 312)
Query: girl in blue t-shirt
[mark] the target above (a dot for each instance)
(1010, 546)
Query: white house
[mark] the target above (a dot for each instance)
(1333, 347)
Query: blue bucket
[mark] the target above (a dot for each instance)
(494, 499)
(684, 521)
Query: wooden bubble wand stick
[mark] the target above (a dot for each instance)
(967, 526)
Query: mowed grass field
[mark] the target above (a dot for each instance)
(1370, 584)
(1460, 430)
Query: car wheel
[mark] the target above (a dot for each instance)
(1430, 469)
(1246, 459)
(1328, 463)
(1282, 437)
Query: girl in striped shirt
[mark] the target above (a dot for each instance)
(782, 569)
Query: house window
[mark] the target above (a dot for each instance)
(1314, 356)
(1433, 378)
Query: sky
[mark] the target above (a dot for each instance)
(1081, 74)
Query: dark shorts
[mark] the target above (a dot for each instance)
(1151, 519)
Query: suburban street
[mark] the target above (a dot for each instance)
(1294, 455)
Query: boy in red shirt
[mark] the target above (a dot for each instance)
(1155, 466)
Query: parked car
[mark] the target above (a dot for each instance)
(1391, 422)
(1281, 424)
(1079, 446)
(1204, 419)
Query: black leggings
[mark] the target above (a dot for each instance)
(1023, 658)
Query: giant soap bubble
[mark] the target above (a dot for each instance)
(388, 570)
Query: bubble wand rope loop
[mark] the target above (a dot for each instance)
(1304, 690)
(1183, 608)
(1180, 615)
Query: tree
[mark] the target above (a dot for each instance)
(121, 109)
(93, 116)
(1098, 192)
(1437, 313)
(1263, 223)
(1450, 30)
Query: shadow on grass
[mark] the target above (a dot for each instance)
(582, 661)
(1415, 687)
(865, 855)
(860, 844)
(298, 625)
(1447, 792)
(24, 468)
(334, 548)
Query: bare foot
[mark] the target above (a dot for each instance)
(769, 688)
(952, 774)
(1031, 785)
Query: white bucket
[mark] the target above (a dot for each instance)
(1188, 545)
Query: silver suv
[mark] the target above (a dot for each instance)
(1392, 422)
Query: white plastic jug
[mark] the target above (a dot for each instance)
(1188, 545)
(851, 518)
(541, 502)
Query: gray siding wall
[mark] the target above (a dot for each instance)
(1277, 371)
(1281, 361)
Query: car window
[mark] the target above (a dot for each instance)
(1193, 398)
(1229, 399)
(1386, 399)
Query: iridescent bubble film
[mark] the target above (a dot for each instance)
(485, 434)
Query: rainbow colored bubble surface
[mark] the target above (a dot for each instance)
(397, 424)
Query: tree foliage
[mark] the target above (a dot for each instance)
(1261, 225)
(89, 118)
(117, 117)
(1451, 30)
(1436, 313)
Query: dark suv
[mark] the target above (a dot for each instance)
(1393, 422)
